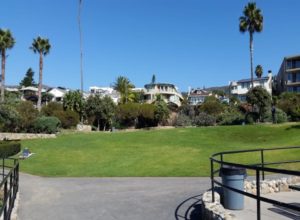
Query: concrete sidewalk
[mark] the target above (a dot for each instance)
(110, 198)
(269, 211)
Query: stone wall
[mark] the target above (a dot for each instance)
(271, 186)
(215, 210)
(23, 136)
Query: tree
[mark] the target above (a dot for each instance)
(212, 106)
(101, 109)
(124, 86)
(251, 22)
(260, 99)
(153, 79)
(74, 101)
(258, 71)
(28, 79)
(42, 47)
(6, 42)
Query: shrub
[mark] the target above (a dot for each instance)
(46, 124)
(212, 106)
(28, 113)
(9, 119)
(251, 117)
(146, 116)
(280, 116)
(67, 118)
(127, 114)
(204, 119)
(183, 120)
(231, 118)
(9, 148)
(48, 110)
(290, 103)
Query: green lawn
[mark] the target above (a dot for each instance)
(172, 152)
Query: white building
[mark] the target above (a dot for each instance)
(241, 87)
(57, 93)
(169, 93)
(197, 96)
(105, 91)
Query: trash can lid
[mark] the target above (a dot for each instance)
(227, 170)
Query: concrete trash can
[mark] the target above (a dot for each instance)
(234, 178)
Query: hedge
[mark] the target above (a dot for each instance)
(9, 148)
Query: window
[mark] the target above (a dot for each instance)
(290, 77)
(298, 77)
(245, 85)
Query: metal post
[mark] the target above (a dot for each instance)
(221, 155)
(257, 194)
(212, 180)
(262, 163)
(3, 169)
(5, 201)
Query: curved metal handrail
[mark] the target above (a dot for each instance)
(258, 168)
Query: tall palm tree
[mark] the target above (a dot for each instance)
(251, 22)
(6, 42)
(124, 86)
(42, 47)
(258, 71)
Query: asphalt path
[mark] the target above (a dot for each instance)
(124, 198)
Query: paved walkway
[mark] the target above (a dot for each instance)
(129, 199)
(269, 211)
(110, 198)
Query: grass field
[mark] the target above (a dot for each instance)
(166, 152)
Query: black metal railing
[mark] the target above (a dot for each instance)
(9, 186)
(259, 168)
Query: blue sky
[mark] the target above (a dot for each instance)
(185, 42)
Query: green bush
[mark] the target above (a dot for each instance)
(9, 119)
(183, 120)
(146, 116)
(212, 106)
(9, 148)
(126, 114)
(48, 110)
(204, 119)
(290, 103)
(231, 118)
(46, 124)
(68, 118)
(251, 117)
(28, 113)
(280, 116)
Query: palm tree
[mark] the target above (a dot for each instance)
(42, 47)
(124, 86)
(251, 22)
(6, 42)
(258, 71)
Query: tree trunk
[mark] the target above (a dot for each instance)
(98, 121)
(251, 58)
(2, 75)
(39, 104)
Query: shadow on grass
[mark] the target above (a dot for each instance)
(293, 127)
(189, 209)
